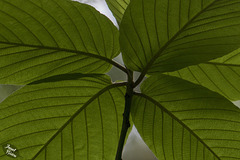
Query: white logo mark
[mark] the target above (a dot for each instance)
(10, 151)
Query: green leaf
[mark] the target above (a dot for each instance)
(118, 8)
(64, 119)
(167, 35)
(180, 120)
(42, 38)
(221, 75)
(6, 90)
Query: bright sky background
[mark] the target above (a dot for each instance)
(102, 7)
(135, 148)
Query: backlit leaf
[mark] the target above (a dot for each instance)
(63, 119)
(118, 8)
(42, 38)
(182, 121)
(221, 75)
(167, 35)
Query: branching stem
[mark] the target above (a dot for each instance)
(126, 114)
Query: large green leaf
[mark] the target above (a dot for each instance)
(118, 8)
(42, 38)
(66, 119)
(167, 35)
(180, 120)
(221, 75)
(6, 90)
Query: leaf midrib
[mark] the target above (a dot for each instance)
(222, 64)
(179, 121)
(70, 51)
(77, 113)
(151, 62)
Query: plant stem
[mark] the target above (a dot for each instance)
(126, 114)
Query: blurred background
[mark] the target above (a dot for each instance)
(135, 148)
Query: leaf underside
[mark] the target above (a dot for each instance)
(221, 75)
(181, 121)
(40, 38)
(63, 120)
(65, 116)
(167, 35)
(118, 8)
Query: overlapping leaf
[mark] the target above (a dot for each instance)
(118, 8)
(221, 75)
(181, 121)
(167, 35)
(42, 38)
(67, 119)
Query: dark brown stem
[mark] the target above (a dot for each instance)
(126, 114)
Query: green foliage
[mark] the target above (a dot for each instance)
(178, 119)
(64, 119)
(69, 108)
(53, 37)
(118, 8)
(167, 35)
(220, 75)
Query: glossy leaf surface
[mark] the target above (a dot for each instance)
(181, 121)
(221, 75)
(42, 38)
(167, 35)
(63, 119)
